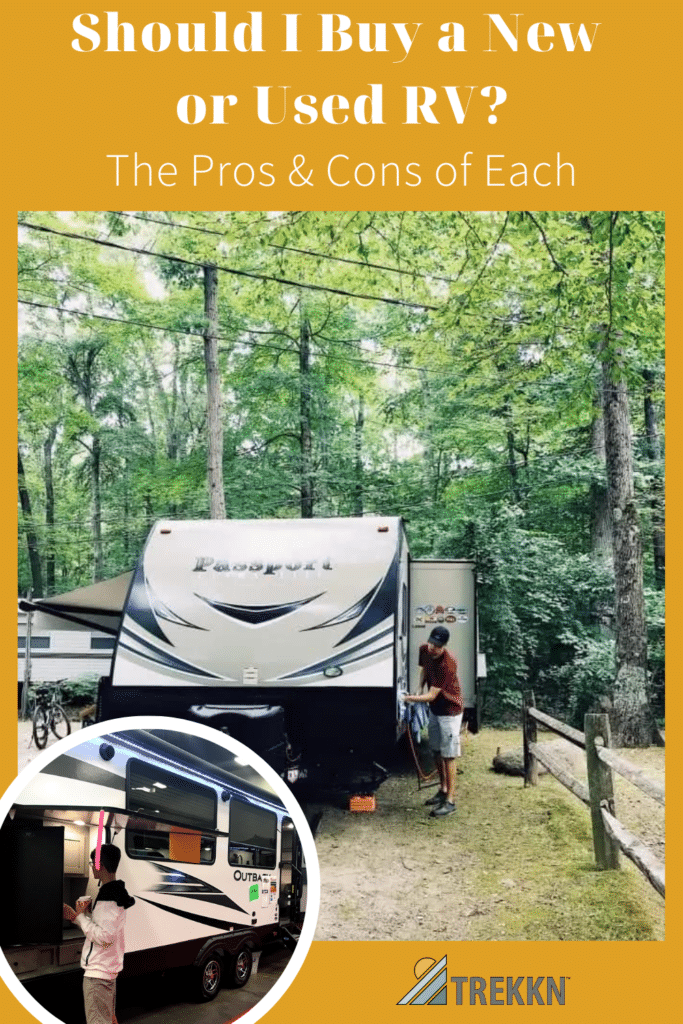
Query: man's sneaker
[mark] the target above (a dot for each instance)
(436, 800)
(445, 808)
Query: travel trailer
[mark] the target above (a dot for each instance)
(298, 637)
(212, 859)
(61, 653)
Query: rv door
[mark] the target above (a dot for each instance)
(32, 861)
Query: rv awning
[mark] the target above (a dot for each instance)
(98, 607)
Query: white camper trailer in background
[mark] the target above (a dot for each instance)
(295, 636)
(213, 861)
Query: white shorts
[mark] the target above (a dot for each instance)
(444, 734)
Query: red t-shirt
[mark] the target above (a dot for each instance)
(442, 672)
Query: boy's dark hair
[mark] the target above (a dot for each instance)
(110, 856)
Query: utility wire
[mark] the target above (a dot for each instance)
(395, 367)
(227, 270)
(425, 275)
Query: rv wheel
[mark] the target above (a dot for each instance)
(240, 971)
(207, 978)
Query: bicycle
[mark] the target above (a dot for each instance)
(48, 713)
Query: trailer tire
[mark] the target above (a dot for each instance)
(207, 977)
(240, 968)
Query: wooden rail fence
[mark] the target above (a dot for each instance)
(609, 835)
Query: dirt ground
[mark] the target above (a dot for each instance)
(511, 863)
(26, 748)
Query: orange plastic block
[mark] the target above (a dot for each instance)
(362, 803)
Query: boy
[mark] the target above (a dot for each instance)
(103, 949)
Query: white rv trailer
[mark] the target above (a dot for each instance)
(296, 636)
(214, 862)
(62, 653)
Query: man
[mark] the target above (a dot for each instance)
(439, 674)
(102, 956)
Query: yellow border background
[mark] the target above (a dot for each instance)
(613, 112)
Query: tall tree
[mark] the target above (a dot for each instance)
(632, 718)
(213, 397)
(29, 530)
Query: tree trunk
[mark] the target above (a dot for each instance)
(48, 445)
(214, 416)
(96, 489)
(358, 490)
(654, 454)
(29, 530)
(600, 519)
(305, 420)
(632, 721)
(601, 522)
(513, 449)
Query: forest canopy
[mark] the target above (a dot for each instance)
(496, 379)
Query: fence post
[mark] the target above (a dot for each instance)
(529, 731)
(600, 789)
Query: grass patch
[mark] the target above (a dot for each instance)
(534, 876)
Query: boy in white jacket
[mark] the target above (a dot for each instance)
(103, 949)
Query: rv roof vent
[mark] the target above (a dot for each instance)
(106, 751)
(383, 529)
(165, 530)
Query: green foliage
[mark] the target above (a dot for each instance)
(80, 692)
(538, 609)
(472, 415)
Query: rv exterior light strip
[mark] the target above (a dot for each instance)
(163, 761)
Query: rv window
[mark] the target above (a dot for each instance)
(156, 793)
(101, 643)
(253, 836)
(38, 643)
(157, 846)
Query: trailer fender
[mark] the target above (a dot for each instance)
(207, 975)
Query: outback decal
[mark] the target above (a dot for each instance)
(247, 876)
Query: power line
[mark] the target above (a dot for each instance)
(395, 367)
(424, 275)
(228, 270)
(196, 334)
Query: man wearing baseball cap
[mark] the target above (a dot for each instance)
(439, 673)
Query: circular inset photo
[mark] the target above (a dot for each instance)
(149, 871)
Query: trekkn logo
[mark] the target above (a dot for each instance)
(432, 988)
